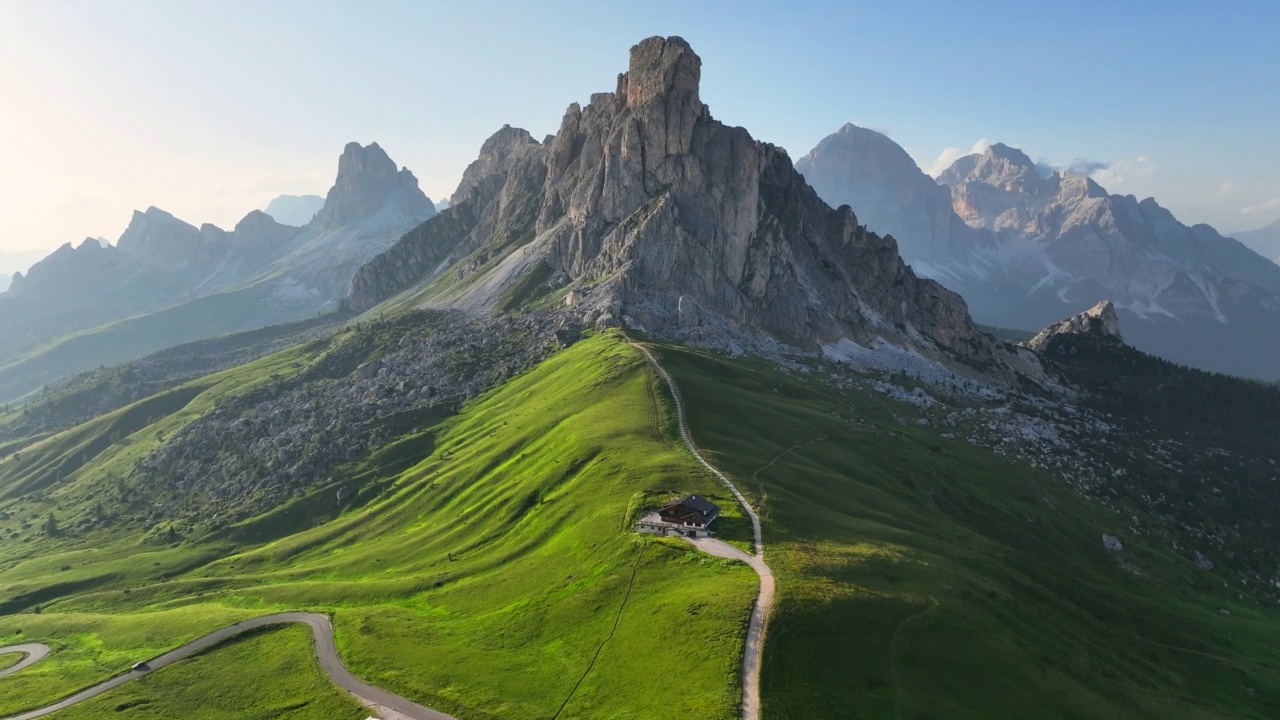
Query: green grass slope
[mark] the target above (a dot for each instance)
(920, 577)
(225, 683)
(497, 577)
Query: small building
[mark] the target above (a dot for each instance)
(690, 516)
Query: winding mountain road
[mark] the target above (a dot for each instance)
(754, 650)
(34, 653)
(376, 698)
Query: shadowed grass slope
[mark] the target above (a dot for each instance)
(920, 577)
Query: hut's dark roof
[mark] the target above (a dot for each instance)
(696, 503)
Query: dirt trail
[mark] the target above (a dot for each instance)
(754, 651)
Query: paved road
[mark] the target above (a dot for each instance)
(752, 654)
(326, 653)
(34, 652)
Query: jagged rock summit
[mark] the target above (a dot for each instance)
(367, 182)
(1101, 320)
(645, 211)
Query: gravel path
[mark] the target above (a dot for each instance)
(754, 650)
(326, 653)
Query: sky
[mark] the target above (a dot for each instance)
(210, 109)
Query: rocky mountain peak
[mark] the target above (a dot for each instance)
(367, 182)
(656, 216)
(1006, 168)
(664, 70)
(660, 89)
(1101, 320)
(158, 236)
(871, 173)
(1072, 186)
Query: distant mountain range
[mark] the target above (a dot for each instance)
(4, 281)
(296, 210)
(1024, 249)
(166, 281)
(1265, 240)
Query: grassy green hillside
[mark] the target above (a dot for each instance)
(920, 577)
(497, 577)
(489, 569)
(225, 683)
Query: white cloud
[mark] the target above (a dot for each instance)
(1271, 204)
(948, 157)
(1122, 171)
(1226, 190)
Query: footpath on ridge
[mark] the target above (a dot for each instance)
(754, 650)
(384, 703)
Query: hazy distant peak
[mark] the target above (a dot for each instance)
(157, 234)
(368, 180)
(295, 210)
(850, 135)
(1266, 239)
(93, 245)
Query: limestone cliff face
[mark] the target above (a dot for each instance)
(656, 215)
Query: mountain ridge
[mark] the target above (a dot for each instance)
(1042, 247)
(262, 272)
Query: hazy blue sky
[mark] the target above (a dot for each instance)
(209, 109)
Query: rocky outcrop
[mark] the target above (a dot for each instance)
(1100, 320)
(642, 204)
